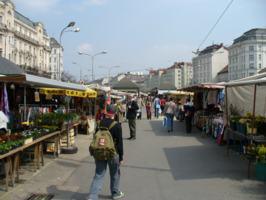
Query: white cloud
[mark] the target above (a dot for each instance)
(37, 5)
(85, 47)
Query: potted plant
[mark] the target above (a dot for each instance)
(261, 163)
(261, 125)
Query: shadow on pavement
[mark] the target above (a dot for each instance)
(204, 161)
(71, 195)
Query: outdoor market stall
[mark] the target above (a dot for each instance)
(23, 89)
(208, 101)
(246, 116)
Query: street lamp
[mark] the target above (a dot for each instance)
(66, 29)
(92, 60)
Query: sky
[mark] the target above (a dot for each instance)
(140, 34)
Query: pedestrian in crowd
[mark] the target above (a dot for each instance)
(189, 114)
(140, 104)
(162, 103)
(132, 108)
(157, 106)
(181, 113)
(119, 112)
(169, 112)
(114, 163)
(148, 110)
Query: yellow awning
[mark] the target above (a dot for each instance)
(89, 93)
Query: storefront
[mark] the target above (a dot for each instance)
(208, 101)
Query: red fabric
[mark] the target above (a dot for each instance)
(162, 102)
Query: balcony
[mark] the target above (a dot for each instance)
(25, 37)
(35, 71)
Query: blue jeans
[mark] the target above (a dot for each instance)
(114, 169)
(170, 118)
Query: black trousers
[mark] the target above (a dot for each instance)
(188, 120)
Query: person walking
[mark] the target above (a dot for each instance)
(114, 163)
(157, 106)
(169, 112)
(189, 114)
(132, 108)
(148, 110)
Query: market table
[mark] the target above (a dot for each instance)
(11, 159)
(243, 139)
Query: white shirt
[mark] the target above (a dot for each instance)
(3, 120)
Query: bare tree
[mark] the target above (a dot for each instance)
(67, 77)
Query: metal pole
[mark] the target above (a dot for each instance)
(254, 109)
(25, 103)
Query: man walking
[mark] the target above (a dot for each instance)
(169, 111)
(114, 163)
(132, 108)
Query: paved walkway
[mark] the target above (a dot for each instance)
(158, 166)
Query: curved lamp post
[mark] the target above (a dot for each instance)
(65, 29)
(92, 60)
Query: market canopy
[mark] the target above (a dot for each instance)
(88, 93)
(37, 81)
(126, 84)
(9, 68)
(247, 95)
(203, 86)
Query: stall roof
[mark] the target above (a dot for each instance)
(9, 68)
(203, 86)
(251, 80)
(37, 81)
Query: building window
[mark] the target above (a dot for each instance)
(259, 65)
(251, 48)
(251, 65)
(259, 56)
(251, 58)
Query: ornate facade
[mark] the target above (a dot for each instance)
(23, 41)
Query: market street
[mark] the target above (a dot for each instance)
(158, 166)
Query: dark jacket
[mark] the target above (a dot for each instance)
(132, 108)
(116, 133)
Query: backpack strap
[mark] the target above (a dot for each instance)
(112, 125)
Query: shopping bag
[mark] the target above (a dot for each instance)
(164, 122)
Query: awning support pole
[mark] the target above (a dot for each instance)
(254, 109)
(25, 104)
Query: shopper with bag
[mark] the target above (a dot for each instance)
(169, 112)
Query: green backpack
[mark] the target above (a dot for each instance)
(102, 146)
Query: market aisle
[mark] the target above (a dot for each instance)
(158, 166)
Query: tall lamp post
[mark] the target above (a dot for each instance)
(92, 60)
(66, 29)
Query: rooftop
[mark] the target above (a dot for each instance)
(253, 34)
(210, 49)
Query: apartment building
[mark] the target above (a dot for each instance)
(23, 41)
(177, 76)
(208, 63)
(247, 54)
(56, 59)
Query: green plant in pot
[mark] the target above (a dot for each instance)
(261, 163)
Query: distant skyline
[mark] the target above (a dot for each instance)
(140, 34)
